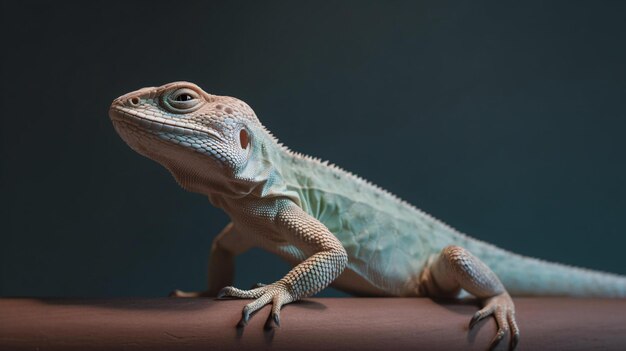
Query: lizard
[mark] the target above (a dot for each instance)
(333, 227)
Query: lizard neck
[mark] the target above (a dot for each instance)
(262, 178)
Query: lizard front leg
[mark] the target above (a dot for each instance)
(328, 260)
(228, 244)
(456, 268)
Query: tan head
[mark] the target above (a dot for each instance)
(203, 139)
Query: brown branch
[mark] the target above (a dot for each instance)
(314, 324)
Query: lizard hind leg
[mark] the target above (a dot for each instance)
(455, 268)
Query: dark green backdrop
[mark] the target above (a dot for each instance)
(505, 119)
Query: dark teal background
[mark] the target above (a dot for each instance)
(505, 119)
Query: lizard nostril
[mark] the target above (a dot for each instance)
(134, 101)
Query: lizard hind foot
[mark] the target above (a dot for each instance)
(502, 308)
(277, 294)
(456, 268)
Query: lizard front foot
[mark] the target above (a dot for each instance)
(502, 308)
(277, 294)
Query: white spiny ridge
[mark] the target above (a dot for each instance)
(334, 227)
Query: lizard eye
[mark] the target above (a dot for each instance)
(183, 100)
(184, 97)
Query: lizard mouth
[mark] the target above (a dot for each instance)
(157, 124)
(136, 128)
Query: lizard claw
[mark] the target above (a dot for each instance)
(222, 293)
(501, 307)
(273, 321)
(515, 339)
(245, 317)
(175, 293)
(277, 294)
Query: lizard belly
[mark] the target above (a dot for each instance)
(388, 242)
(386, 253)
(378, 266)
(360, 278)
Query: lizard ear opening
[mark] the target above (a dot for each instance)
(244, 139)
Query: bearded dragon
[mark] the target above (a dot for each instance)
(333, 227)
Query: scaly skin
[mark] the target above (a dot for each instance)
(332, 226)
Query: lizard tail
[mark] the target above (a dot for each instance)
(526, 276)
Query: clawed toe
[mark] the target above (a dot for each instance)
(231, 291)
(276, 294)
(180, 293)
(175, 293)
(273, 321)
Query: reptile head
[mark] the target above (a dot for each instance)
(203, 139)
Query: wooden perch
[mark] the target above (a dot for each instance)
(313, 324)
